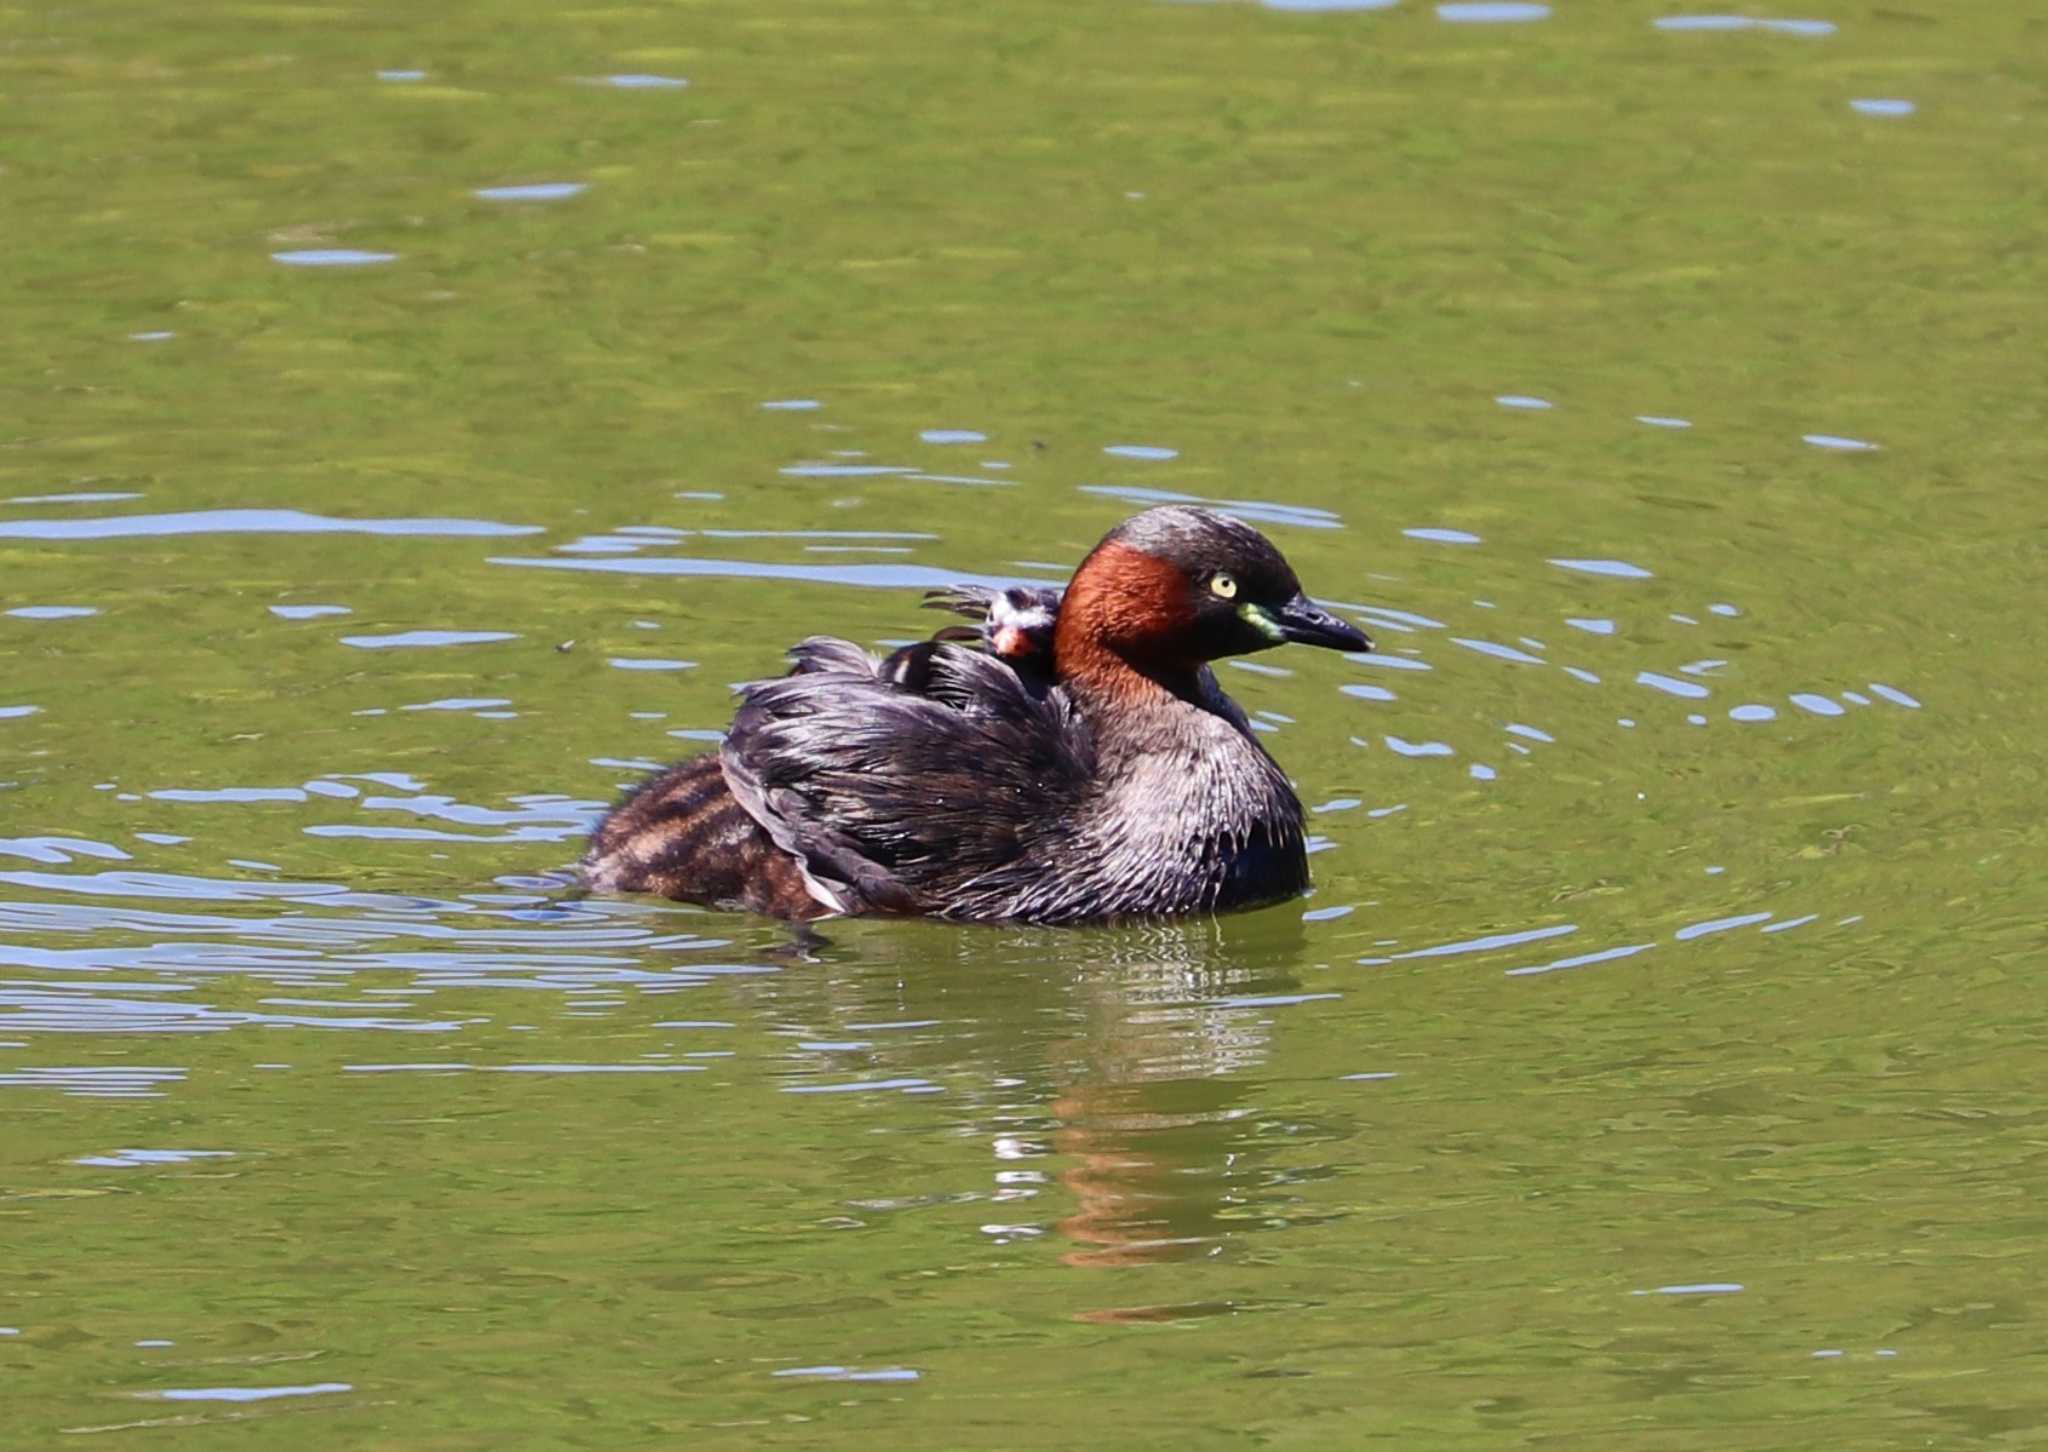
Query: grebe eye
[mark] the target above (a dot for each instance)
(1224, 584)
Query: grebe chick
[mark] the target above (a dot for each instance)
(1071, 759)
(1013, 624)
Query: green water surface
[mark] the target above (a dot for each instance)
(1657, 1061)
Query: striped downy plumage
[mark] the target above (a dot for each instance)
(1071, 759)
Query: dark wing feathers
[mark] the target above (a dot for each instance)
(828, 655)
(894, 794)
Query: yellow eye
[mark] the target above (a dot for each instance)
(1224, 584)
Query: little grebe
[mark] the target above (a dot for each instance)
(1071, 760)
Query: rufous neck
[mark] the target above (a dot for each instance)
(1120, 637)
(1103, 676)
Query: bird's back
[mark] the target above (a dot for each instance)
(898, 791)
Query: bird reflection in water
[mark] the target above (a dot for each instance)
(1155, 1122)
(1122, 1063)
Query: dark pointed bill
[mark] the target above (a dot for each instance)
(1304, 622)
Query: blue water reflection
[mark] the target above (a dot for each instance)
(247, 521)
(333, 257)
(532, 192)
(1581, 960)
(426, 639)
(1613, 569)
(1257, 511)
(637, 81)
(882, 577)
(847, 1373)
(248, 1393)
(128, 1159)
(1744, 22)
(1492, 12)
(1498, 651)
(1658, 681)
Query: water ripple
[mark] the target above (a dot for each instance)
(1743, 22)
(532, 192)
(247, 521)
(633, 81)
(1614, 569)
(333, 257)
(426, 639)
(1492, 12)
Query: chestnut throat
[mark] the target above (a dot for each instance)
(1124, 638)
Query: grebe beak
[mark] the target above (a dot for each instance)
(1304, 622)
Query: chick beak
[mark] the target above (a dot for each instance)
(1304, 622)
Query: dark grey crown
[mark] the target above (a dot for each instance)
(1202, 541)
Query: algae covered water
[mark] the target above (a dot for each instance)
(416, 420)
